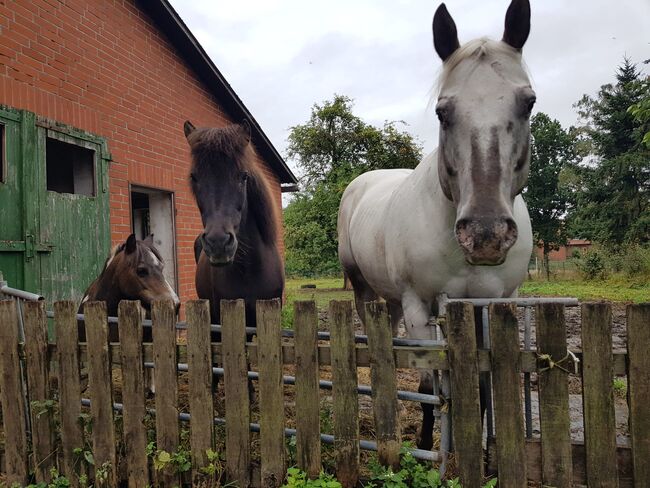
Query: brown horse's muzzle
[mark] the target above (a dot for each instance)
(486, 242)
(219, 248)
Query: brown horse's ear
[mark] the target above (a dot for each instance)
(517, 23)
(131, 244)
(149, 239)
(188, 128)
(445, 35)
(246, 127)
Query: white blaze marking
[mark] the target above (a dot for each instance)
(85, 299)
(155, 260)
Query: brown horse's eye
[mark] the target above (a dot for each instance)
(142, 272)
(192, 178)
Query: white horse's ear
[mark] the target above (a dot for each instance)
(517, 23)
(445, 35)
(188, 128)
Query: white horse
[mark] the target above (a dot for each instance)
(456, 223)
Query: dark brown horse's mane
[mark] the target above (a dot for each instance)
(230, 148)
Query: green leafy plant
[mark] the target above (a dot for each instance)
(299, 479)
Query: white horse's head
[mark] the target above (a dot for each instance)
(484, 108)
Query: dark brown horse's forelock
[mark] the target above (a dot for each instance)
(229, 148)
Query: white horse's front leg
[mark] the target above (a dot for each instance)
(416, 319)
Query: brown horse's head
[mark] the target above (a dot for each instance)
(228, 189)
(134, 271)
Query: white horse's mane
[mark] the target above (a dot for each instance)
(477, 49)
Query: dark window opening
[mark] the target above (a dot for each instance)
(70, 168)
(140, 209)
(2, 154)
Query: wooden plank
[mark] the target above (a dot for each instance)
(344, 393)
(11, 396)
(598, 395)
(533, 458)
(65, 325)
(638, 338)
(305, 323)
(163, 317)
(506, 380)
(135, 435)
(38, 375)
(554, 396)
(99, 382)
(271, 401)
(384, 384)
(465, 405)
(233, 337)
(200, 384)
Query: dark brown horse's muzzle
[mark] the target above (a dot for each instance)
(486, 242)
(219, 248)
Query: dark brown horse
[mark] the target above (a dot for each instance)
(133, 271)
(236, 254)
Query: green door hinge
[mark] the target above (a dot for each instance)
(32, 247)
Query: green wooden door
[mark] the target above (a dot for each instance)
(51, 242)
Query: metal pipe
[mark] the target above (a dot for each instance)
(519, 302)
(421, 454)
(14, 292)
(409, 396)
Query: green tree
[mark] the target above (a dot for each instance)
(613, 197)
(331, 149)
(547, 199)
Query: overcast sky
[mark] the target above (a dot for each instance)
(282, 56)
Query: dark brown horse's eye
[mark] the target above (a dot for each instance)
(192, 178)
(142, 272)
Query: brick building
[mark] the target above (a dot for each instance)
(93, 97)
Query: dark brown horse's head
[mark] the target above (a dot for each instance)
(133, 271)
(228, 188)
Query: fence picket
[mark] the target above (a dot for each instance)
(199, 362)
(271, 402)
(163, 318)
(638, 338)
(344, 392)
(233, 338)
(135, 438)
(557, 466)
(506, 379)
(305, 323)
(11, 396)
(598, 395)
(465, 408)
(99, 382)
(65, 325)
(38, 376)
(384, 384)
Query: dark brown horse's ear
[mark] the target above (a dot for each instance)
(246, 127)
(131, 244)
(149, 239)
(517, 23)
(445, 35)
(188, 128)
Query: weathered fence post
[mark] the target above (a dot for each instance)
(235, 365)
(305, 324)
(638, 338)
(99, 382)
(11, 396)
(38, 376)
(163, 318)
(344, 392)
(269, 360)
(557, 466)
(199, 362)
(67, 335)
(135, 432)
(384, 384)
(598, 395)
(466, 411)
(506, 379)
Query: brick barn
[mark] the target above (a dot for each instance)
(93, 96)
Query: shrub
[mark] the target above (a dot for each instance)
(592, 264)
(636, 261)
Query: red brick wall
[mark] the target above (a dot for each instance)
(103, 67)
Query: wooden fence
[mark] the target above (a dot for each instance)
(37, 438)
